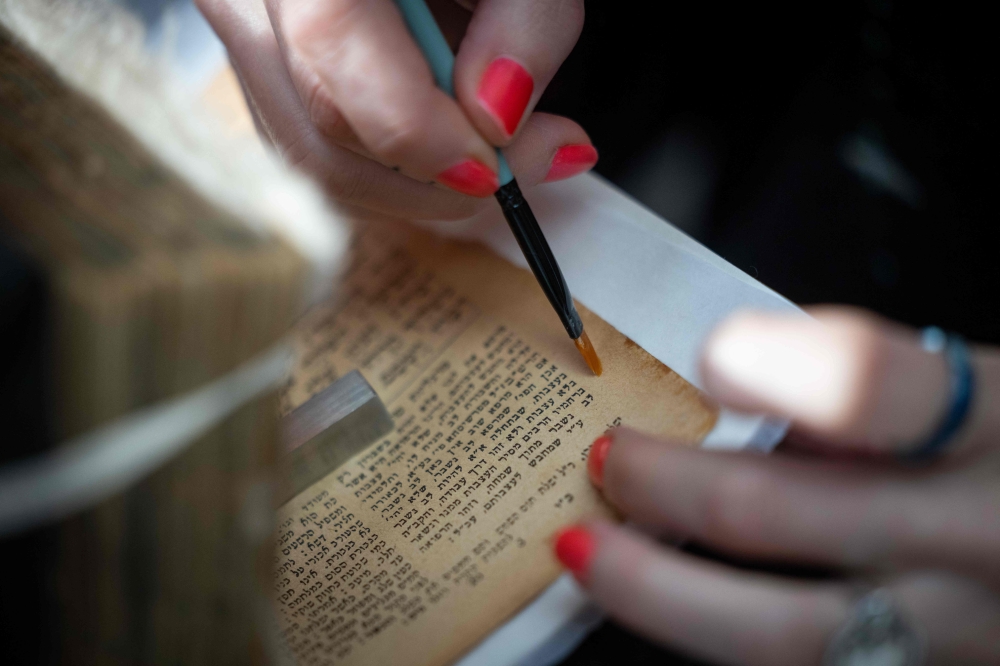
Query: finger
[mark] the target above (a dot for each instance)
(804, 510)
(550, 148)
(729, 616)
(510, 53)
(715, 612)
(362, 52)
(845, 376)
(245, 29)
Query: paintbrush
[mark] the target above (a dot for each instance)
(522, 221)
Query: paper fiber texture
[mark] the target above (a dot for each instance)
(420, 546)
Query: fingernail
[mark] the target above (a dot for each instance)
(470, 177)
(574, 548)
(595, 459)
(504, 91)
(571, 160)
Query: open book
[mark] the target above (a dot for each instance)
(419, 547)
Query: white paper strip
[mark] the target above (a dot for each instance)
(88, 469)
(659, 287)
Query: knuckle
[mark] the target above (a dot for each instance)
(401, 134)
(736, 505)
(322, 110)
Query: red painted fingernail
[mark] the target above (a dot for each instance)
(504, 91)
(574, 548)
(571, 160)
(470, 177)
(595, 459)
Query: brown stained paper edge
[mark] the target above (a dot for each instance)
(519, 309)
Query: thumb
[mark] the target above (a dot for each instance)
(845, 376)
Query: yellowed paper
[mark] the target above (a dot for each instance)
(417, 548)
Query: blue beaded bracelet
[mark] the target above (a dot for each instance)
(961, 387)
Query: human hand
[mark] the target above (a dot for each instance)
(341, 90)
(838, 494)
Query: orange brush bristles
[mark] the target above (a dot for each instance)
(589, 354)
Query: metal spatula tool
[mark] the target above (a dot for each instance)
(325, 431)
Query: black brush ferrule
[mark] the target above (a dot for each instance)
(539, 256)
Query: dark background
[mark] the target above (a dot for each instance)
(756, 113)
(838, 152)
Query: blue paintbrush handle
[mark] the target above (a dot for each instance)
(522, 221)
(438, 54)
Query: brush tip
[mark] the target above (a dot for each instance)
(589, 354)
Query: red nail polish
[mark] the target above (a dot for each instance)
(571, 160)
(504, 91)
(595, 459)
(470, 177)
(574, 548)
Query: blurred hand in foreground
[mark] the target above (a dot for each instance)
(341, 90)
(839, 494)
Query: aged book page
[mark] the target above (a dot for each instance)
(418, 547)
